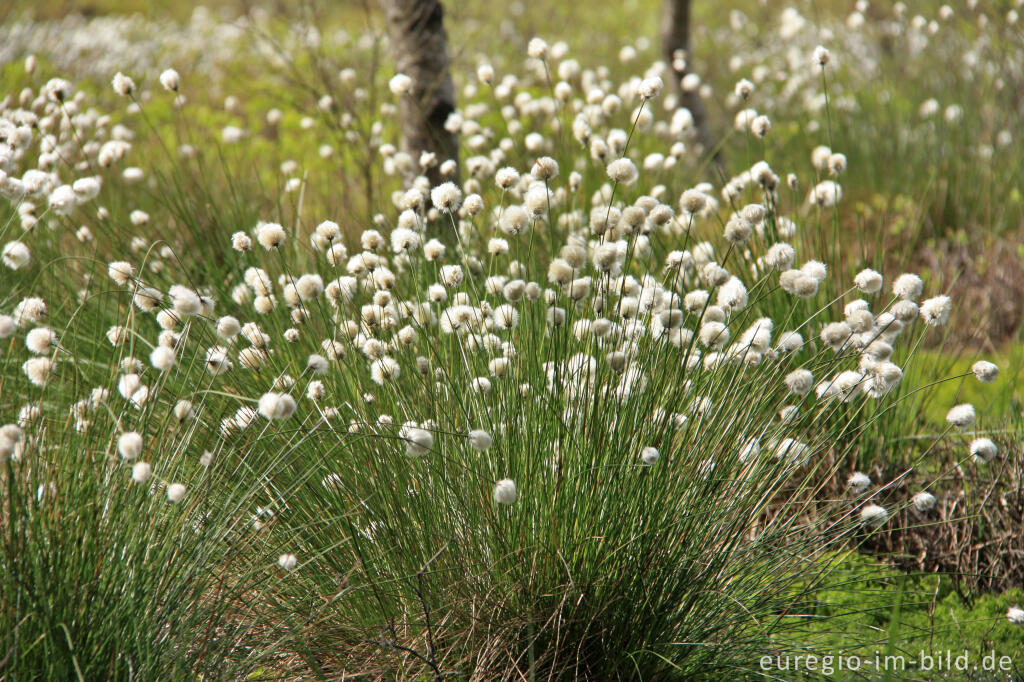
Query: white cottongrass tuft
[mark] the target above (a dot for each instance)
(868, 281)
(183, 410)
(923, 501)
(622, 171)
(738, 229)
(129, 445)
(793, 451)
(170, 79)
(446, 197)
(122, 84)
(40, 340)
(986, 371)
(908, 286)
(537, 48)
(983, 450)
(141, 471)
(240, 241)
(800, 381)
(505, 492)
(16, 255)
(743, 89)
(400, 84)
(317, 364)
(162, 358)
(935, 311)
(418, 441)
(479, 439)
(858, 482)
(760, 126)
(961, 416)
(874, 515)
(287, 561)
(650, 87)
(649, 455)
(384, 370)
(825, 194)
(270, 235)
(545, 168)
(276, 405)
(175, 492)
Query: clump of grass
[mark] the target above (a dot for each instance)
(107, 578)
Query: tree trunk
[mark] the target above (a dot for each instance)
(675, 44)
(420, 48)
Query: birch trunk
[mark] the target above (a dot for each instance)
(675, 48)
(420, 48)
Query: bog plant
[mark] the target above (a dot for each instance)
(562, 415)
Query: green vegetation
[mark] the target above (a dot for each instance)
(603, 408)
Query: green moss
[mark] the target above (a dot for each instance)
(866, 609)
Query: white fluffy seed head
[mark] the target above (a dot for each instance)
(908, 286)
(276, 405)
(129, 445)
(141, 471)
(868, 281)
(270, 236)
(446, 197)
(760, 126)
(121, 272)
(649, 456)
(780, 256)
(418, 441)
(650, 87)
(185, 300)
(986, 371)
(923, 501)
(479, 439)
(738, 229)
(514, 220)
(961, 416)
(162, 358)
(175, 492)
(40, 340)
(537, 48)
(858, 482)
(400, 84)
(874, 516)
(170, 79)
(183, 410)
(123, 85)
(714, 334)
(622, 171)
(983, 450)
(16, 255)
(505, 492)
(545, 168)
(800, 381)
(821, 55)
(384, 370)
(935, 311)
